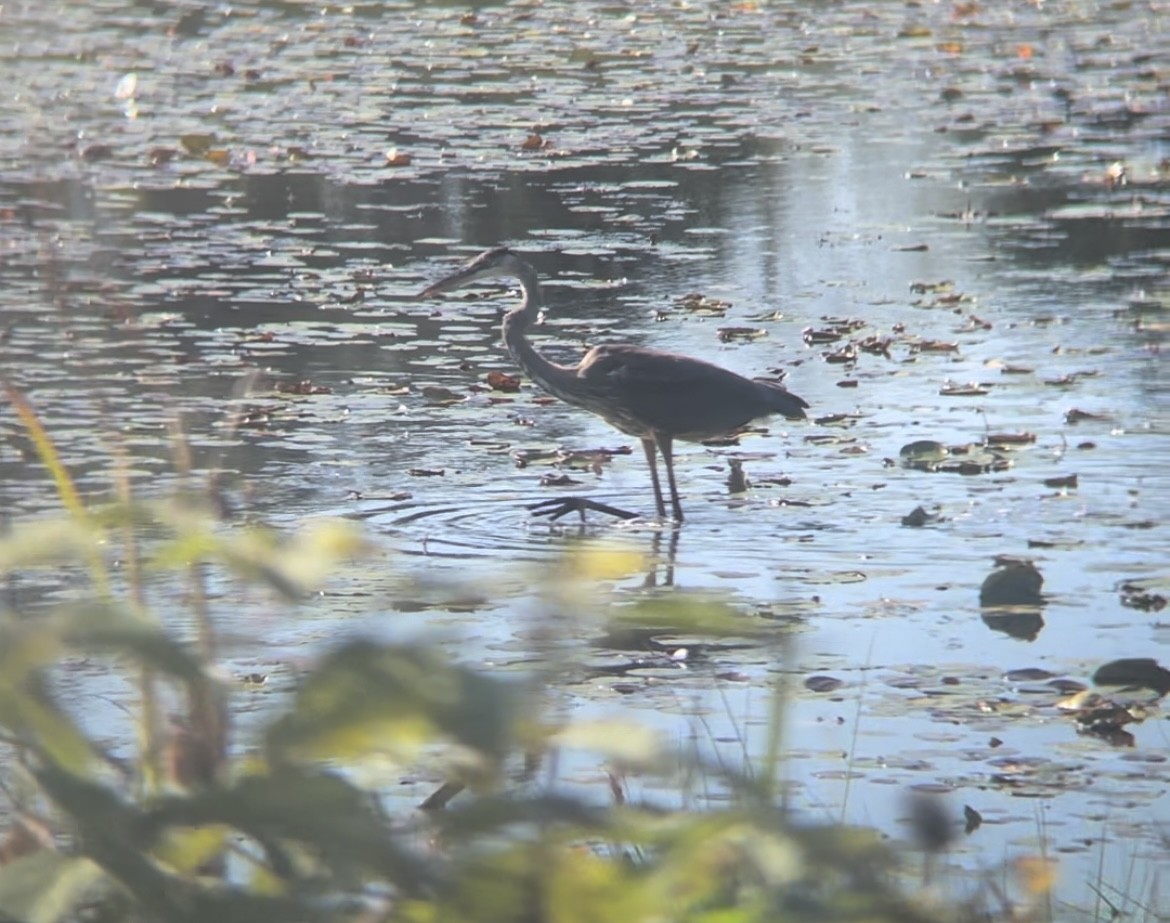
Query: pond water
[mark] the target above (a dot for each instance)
(226, 214)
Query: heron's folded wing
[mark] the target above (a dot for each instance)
(674, 394)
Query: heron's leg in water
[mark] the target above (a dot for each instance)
(649, 446)
(666, 447)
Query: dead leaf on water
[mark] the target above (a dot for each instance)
(971, 389)
(847, 353)
(815, 337)
(499, 381)
(1028, 675)
(1067, 381)
(876, 345)
(1083, 416)
(94, 152)
(197, 144)
(558, 480)
(444, 396)
(1007, 369)
(698, 303)
(304, 386)
(160, 156)
(933, 346)
(823, 683)
(925, 288)
(1142, 599)
(923, 451)
(1004, 440)
(727, 334)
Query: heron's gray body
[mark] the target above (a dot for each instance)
(650, 394)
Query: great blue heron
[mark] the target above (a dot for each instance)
(654, 395)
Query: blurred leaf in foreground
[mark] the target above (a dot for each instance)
(27, 708)
(46, 887)
(336, 821)
(370, 698)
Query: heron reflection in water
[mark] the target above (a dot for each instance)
(650, 394)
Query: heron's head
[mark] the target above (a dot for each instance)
(497, 262)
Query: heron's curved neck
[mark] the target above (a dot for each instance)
(545, 373)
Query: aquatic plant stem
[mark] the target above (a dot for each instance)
(148, 719)
(856, 729)
(772, 790)
(66, 489)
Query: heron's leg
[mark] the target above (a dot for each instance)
(666, 447)
(649, 447)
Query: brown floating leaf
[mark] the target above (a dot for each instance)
(1009, 439)
(813, 337)
(823, 683)
(701, 304)
(160, 156)
(1080, 416)
(727, 334)
(933, 346)
(197, 144)
(558, 480)
(971, 389)
(1135, 597)
(924, 288)
(97, 152)
(439, 395)
(975, 323)
(847, 353)
(923, 450)
(499, 381)
(875, 345)
(305, 386)
(1028, 675)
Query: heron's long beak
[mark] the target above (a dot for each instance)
(451, 282)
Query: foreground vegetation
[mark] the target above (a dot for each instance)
(197, 824)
